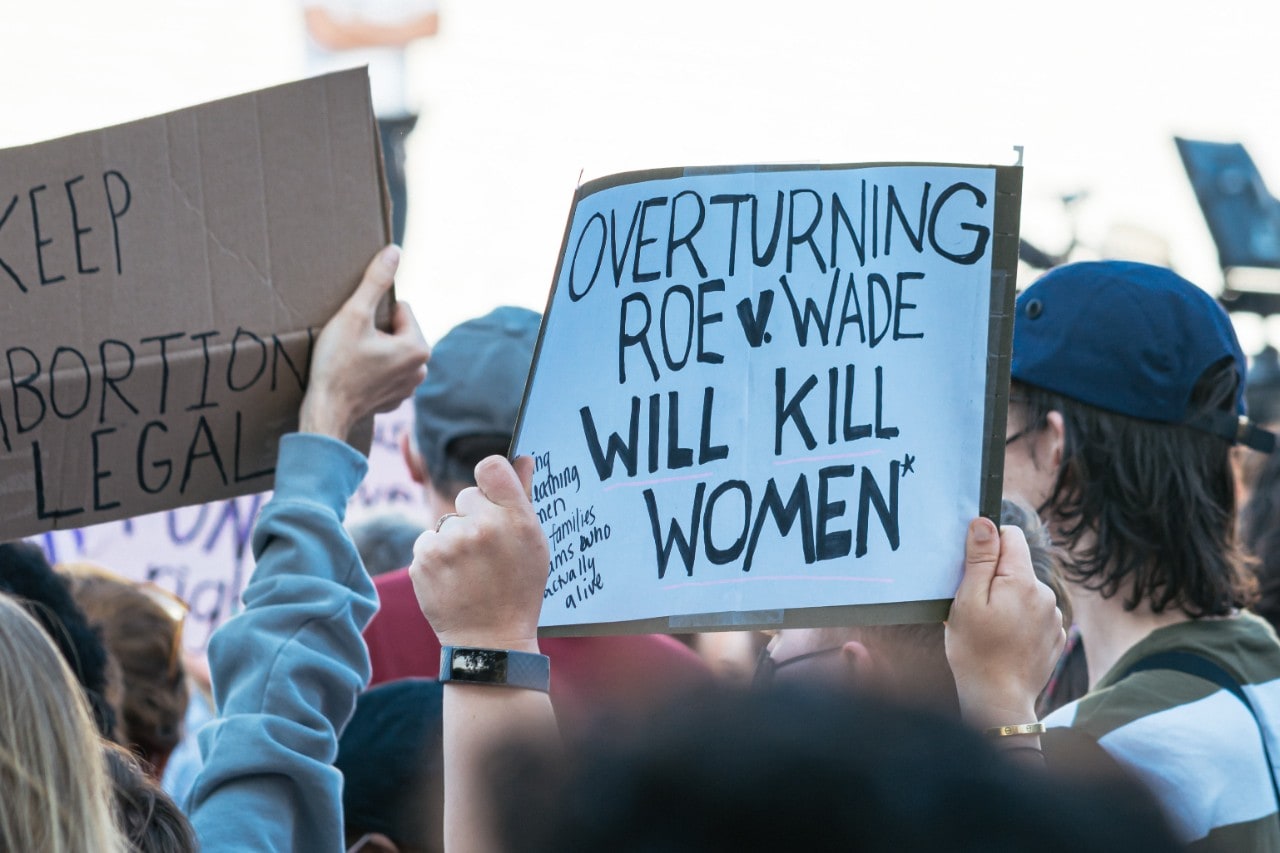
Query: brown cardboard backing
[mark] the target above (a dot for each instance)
(161, 283)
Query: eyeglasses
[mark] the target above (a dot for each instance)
(169, 603)
(1010, 439)
(1027, 430)
(767, 668)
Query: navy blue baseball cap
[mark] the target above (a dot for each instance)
(1129, 338)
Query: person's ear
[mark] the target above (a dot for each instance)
(413, 460)
(859, 662)
(1056, 433)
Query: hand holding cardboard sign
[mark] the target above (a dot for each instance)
(1005, 630)
(479, 577)
(358, 370)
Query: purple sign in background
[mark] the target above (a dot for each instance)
(203, 553)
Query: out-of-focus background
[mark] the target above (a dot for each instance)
(519, 99)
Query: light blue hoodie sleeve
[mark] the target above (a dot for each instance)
(287, 669)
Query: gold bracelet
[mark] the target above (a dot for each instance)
(1022, 729)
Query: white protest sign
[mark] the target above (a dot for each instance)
(761, 394)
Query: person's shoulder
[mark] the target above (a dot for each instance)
(1183, 735)
(1243, 645)
(1140, 696)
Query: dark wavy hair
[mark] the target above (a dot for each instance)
(1159, 498)
(1260, 531)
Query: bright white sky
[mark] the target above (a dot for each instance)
(520, 98)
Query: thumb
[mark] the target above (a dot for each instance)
(981, 556)
(378, 278)
(501, 483)
(524, 469)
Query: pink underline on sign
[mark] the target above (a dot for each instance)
(826, 458)
(639, 483)
(777, 578)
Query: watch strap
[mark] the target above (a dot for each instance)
(495, 667)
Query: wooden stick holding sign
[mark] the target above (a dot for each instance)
(771, 396)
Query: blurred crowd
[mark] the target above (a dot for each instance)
(1106, 678)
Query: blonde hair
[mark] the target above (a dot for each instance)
(57, 797)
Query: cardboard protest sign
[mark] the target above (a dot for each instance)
(771, 396)
(162, 284)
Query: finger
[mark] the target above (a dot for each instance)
(471, 501)
(408, 336)
(524, 470)
(1015, 554)
(424, 544)
(981, 555)
(405, 325)
(500, 483)
(378, 278)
